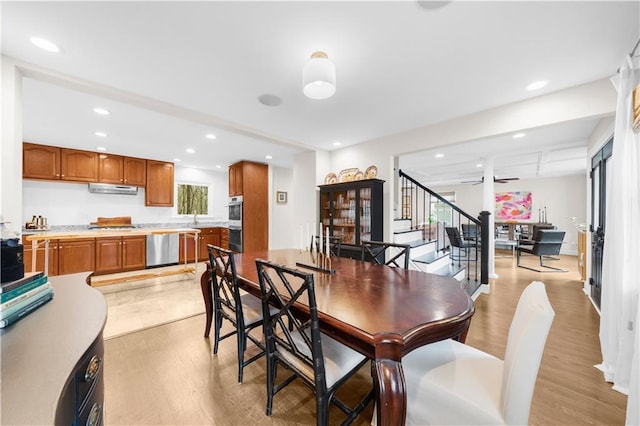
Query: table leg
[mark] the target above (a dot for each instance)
(46, 257)
(195, 264)
(391, 392)
(34, 254)
(207, 294)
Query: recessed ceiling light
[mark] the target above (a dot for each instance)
(218, 166)
(519, 135)
(537, 85)
(269, 100)
(337, 143)
(479, 165)
(190, 150)
(176, 160)
(210, 136)
(101, 148)
(45, 45)
(101, 134)
(101, 111)
(439, 155)
(268, 157)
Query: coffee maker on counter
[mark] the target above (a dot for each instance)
(11, 254)
(38, 223)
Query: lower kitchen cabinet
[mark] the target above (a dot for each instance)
(224, 238)
(206, 236)
(134, 253)
(28, 255)
(76, 256)
(118, 254)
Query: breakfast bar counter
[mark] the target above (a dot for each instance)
(47, 236)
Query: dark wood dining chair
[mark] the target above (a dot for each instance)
(243, 311)
(295, 342)
(335, 244)
(546, 242)
(386, 253)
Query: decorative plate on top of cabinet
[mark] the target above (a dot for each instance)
(358, 176)
(330, 179)
(347, 175)
(371, 172)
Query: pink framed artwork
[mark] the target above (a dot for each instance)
(513, 205)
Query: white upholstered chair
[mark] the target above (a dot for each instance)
(452, 383)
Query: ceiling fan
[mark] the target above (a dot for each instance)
(495, 179)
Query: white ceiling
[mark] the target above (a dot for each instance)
(400, 65)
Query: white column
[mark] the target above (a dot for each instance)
(11, 145)
(488, 204)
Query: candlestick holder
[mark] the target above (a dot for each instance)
(320, 262)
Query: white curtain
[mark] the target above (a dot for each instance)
(619, 337)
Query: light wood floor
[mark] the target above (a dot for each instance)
(168, 375)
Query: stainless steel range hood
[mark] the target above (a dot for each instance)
(103, 188)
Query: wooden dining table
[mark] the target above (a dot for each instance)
(380, 311)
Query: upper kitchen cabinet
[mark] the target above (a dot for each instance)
(159, 192)
(40, 161)
(117, 169)
(53, 163)
(76, 165)
(235, 179)
(110, 169)
(135, 171)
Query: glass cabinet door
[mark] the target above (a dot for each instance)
(365, 214)
(344, 215)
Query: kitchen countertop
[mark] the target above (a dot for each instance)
(100, 233)
(147, 226)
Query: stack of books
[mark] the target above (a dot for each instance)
(21, 297)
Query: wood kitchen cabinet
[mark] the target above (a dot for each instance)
(76, 256)
(28, 255)
(206, 236)
(250, 180)
(135, 171)
(110, 169)
(52, 163)
(40, 162)
(159, 191)
(118, 254)
(65, 256)
(235, 179)
(80, 166)
(116, 169)
(224, 238)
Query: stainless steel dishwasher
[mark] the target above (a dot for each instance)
(162, 250)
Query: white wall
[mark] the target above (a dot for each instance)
(564, 197)
(65, 203)
(282, 233)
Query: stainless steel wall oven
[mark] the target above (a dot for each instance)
(235, 212)
(235, 238)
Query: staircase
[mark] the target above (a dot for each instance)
(424, 215)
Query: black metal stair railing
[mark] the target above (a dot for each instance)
(430, 212)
